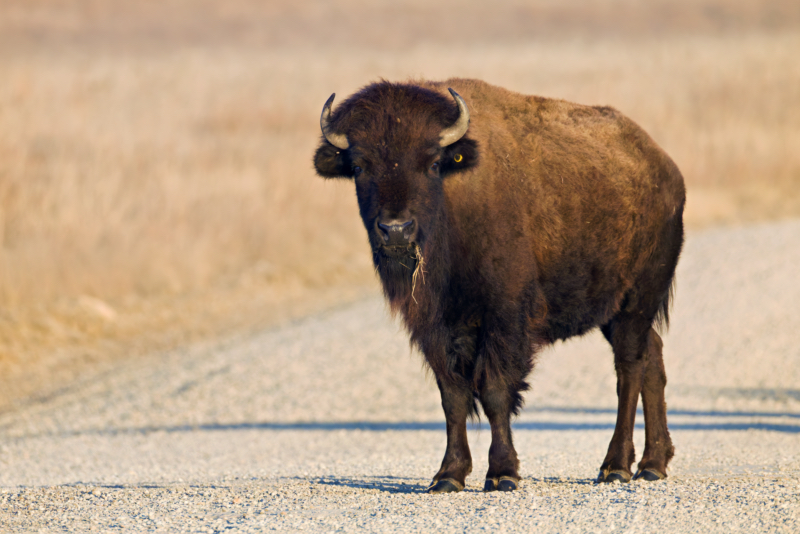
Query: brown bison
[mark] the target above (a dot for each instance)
(500, 223)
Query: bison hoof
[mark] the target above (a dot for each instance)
(649, 474)
(501, 484)
(446, 485)
(617, 475)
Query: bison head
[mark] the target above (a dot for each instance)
(398, 142)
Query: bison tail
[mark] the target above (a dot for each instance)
(661, 321)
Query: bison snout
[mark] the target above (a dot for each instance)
(397, 233)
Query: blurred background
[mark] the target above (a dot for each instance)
(155, 155)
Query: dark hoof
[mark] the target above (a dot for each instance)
(446, 485)
(614, 476)
(650, 475)
(507, 484)
(500, 484)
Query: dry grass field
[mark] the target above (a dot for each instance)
(155, 156)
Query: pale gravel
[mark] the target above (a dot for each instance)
(331, 424)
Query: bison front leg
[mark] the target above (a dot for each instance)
(457, 463)
(498, 401)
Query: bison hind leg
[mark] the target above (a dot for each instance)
(640, 371)
(658, 449)
(628, 335)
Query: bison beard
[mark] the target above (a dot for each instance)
(500, 223)
(397, 274)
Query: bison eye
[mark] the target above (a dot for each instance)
(357, 171)
(435, 167)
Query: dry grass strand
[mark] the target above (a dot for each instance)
(419, 270)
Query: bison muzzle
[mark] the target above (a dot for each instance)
(500, 223)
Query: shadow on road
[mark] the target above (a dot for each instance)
(401, 426)
(386, 484)
(691, 413)
(390, 484)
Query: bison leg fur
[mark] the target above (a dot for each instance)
(658, 449)
(498, 401)
(457, 403)
(629, 337)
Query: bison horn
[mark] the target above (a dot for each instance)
(336, 139)
(456, 131)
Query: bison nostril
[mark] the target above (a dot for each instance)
(383, 230)
(396, 232)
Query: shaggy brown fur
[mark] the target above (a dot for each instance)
(545, 220)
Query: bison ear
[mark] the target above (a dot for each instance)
(332, 162)
(460, 156)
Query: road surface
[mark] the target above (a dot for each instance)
(332, 424)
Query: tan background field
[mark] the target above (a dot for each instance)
(155, 156)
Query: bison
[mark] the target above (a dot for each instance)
(500, 223)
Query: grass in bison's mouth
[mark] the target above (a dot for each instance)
(419, 270)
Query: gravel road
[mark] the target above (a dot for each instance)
(331, 424)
